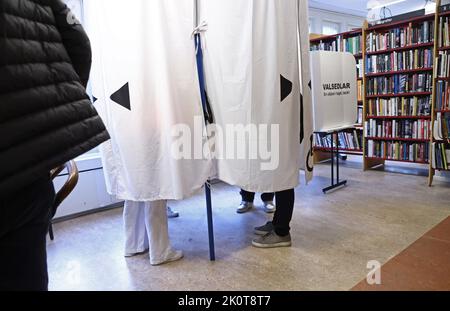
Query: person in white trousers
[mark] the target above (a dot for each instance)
(146, 229)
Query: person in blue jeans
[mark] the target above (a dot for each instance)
(249, 197)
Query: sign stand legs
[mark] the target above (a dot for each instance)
(335, 184)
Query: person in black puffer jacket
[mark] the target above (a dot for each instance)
(46, 119)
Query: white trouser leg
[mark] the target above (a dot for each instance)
(136, 240)
(158, 233)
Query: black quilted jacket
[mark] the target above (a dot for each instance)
(46, 118)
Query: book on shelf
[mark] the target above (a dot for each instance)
(352, 44)
(440, 156)
(442, 95)
(399, 151)
(359, 68)
(360, 120)
(399, 37)
(400, 83)
(350, 140)
(444, 31)
(443, 65)
(398, 129)
(397, 61)
(442, 126)
(400, 106)
(360, 90)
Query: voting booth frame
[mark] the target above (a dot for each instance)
(339, 42)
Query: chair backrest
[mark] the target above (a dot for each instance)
(69, 185)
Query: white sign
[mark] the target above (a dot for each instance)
(334, 88)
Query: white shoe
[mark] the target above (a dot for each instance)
(269, 207)
(244, 207)
(174, 255)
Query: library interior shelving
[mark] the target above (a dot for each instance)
(403, 72)
(351, 140)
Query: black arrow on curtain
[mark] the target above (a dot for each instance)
(122, 97)
(286, 88)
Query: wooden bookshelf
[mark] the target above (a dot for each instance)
(411, 94)
(323, 153)
(379, 160)
(400, 49)
(399, 72)
(420, 144)
(371, 32)
(413, 140)
(434, 109)
(398, 117)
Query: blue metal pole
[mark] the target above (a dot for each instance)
(201, 77)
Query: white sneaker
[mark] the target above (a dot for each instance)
(244, 207)
(174, 255)
(269, 207)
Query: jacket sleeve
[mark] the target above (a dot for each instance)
(74, 39)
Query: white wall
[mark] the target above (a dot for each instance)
(346, 22)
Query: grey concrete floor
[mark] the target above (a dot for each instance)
(377, 216)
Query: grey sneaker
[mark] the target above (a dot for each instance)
(171, 213)
(272, 240)
(269, 207)
(263, 230)
(244, 207)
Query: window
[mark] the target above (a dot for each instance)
(311, 25)
(330, 28)
(76, 6)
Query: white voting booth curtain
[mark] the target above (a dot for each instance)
(253, 77)
(145, 78)
(306, 148)
(145, 81)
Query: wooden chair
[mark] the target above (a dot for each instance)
(66, 190)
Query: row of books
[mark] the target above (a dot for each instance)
(398, 84)
(400, 106)
(351, 140)
(442, 95)
(440, 156)
(443, 65)
(444, 31)
(396, 61)
(401, 37)
(325, 46)
(442, 126)
(398, 151)
(351, 44)
(395, 129)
